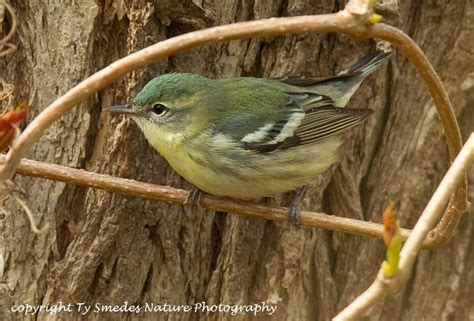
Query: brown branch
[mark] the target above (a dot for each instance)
(6, 92)
(458, 204)
(383, 285)
(351, 21)
(4, 41)
(34, 227)
(172, 195)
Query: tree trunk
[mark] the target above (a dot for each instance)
(110, 249)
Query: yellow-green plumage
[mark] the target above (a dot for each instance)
(215, 165)
(247, 137)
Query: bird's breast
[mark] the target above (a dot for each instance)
(219, 166)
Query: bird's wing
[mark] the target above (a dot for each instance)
(320, 123)
(287, 120)
(307, 118)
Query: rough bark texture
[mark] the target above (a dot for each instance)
(110, 249)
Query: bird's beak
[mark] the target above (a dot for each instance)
(125, 109)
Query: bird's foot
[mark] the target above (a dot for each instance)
(195, 197)
(294, 209)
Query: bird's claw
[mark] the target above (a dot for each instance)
(195, 197)
(294, 213)
(294, 210)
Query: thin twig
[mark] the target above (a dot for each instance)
(6, 92)
(4, 41)
(383, 285)
(172, 195)
(10, 189)
(14, 22)
(11, 48)
(351, 21)
(29, 214)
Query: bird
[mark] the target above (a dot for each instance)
(250, 138)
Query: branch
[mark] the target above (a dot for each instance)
(458, 203)
(383, 285)
(4, 41)
(351, 21)
(172, 195)
(29, 214)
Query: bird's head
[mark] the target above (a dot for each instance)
(170, 107)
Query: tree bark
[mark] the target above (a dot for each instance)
(111, 249)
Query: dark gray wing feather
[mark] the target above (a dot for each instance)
(320, 123)
(317, 119)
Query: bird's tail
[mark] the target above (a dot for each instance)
(341, 87)
(366, 65)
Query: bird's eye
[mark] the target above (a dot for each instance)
(159, 109)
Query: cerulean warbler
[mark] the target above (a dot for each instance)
(249, 138)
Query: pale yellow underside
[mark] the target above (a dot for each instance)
(217, 167)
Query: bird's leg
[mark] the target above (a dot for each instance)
(194, 197)
(295, 206)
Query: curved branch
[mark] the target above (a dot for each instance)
(458, 204)
(382, 286)
(14, 24)
(34, 227)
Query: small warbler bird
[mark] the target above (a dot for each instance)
(249, 138)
